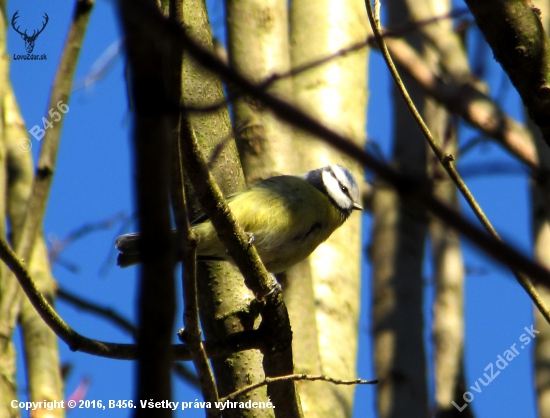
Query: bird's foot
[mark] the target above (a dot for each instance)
(250, 236)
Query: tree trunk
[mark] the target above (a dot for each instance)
(224, 300)
(335, 93)
(397, 253)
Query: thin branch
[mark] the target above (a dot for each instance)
(189, 278)
(467, 100)
(48, 314)
(470, 145)
(108, 313)
(187, 240)
(59, 245)
(370, 41)
(117, 319)
(216, 152)
(192, 331)
(293, 72)
(422, 23)
(295, 377)
(387, 33)
(101, 66)
(492, 168)
(446, 160)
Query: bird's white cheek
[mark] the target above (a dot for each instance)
(333, 189)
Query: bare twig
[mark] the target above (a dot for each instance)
(296, 377)
(387, 33)
(192, 330)
(48, 314)
(188, 240)
(59, 245)
(101, 66)
(422, 23)
(216, 152)
(105, 312)
(460, 97)
(390, 33)
(492, 168)
(116, 318)
(468, 101)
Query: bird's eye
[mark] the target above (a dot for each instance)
(344, 189)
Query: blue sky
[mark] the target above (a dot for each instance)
(93, 182)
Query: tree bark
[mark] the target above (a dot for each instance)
(514, 30)
(336, 94)
(540, 204)
(258, 47)
(224, 301)
(445, 53)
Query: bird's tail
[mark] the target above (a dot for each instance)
(129, 254)
(127, 245)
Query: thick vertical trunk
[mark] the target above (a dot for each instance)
(397, 253)
(224, 300)
(335, 93)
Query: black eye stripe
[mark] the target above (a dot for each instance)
(344, 189)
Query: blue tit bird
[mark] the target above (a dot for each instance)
(286, 216)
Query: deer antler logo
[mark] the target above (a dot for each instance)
(29, 40)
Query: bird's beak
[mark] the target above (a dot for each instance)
(357, 206)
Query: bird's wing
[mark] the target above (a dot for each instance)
(203, 217)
